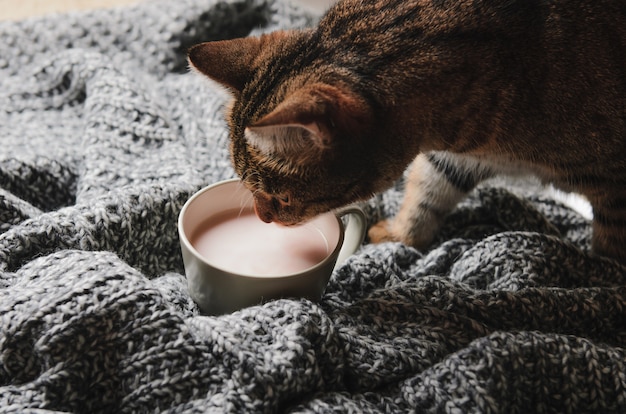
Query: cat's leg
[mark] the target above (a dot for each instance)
(609, 223)
(437, 181)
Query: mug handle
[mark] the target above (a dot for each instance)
(354, 234)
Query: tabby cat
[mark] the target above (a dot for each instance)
(462, 89)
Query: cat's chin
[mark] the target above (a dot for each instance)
(280, 222)
(295, 224)
(287, 223)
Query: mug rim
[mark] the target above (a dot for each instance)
(190, 247)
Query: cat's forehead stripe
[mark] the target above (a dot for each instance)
(268, 77)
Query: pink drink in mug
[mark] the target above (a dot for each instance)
(237, 241)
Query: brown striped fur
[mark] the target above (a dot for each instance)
(464, 89)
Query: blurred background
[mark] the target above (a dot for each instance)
(12, 9)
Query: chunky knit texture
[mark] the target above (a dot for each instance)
(104, 135)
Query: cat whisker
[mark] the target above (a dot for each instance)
(234, 193)
(244, 203)
(245, 200)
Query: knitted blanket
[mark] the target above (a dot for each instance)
(103, 137)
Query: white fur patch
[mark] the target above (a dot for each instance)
(574, 201)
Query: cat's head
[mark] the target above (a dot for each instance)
(300, 135)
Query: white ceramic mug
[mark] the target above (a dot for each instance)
(218, 290)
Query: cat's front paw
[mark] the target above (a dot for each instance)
(394, 231)
(381, 232)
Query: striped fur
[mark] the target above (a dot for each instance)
(464, 89)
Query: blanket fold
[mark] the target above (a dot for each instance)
(104, 136)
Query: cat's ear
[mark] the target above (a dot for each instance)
(321, 109)
(226, 61)
(232, 62)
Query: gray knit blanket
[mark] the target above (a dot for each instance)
(104, 135)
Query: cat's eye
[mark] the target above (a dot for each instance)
(283, 199)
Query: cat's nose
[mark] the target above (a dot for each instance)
(264, 215)
(264, 209)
